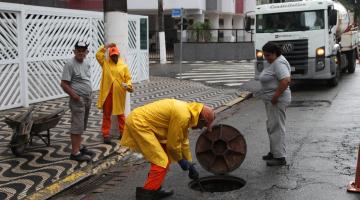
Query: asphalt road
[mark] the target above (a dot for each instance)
(322, 143)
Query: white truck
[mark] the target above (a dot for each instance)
(316, 37)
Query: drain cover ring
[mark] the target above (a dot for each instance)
(221, 151)
(217, 183)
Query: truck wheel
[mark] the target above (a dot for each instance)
(352, 62)
(335, 80)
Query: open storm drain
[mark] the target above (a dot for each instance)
(311, 103)
(217, 184)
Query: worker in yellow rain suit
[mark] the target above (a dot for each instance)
(115, 81)
(159, 131)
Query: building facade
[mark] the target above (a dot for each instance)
(93, 5)
(221, 14)
(225, 17)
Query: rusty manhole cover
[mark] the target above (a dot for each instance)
(222, 150)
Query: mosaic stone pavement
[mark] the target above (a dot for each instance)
(41, 166)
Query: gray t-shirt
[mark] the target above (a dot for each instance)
(270, 78)
(79, 76)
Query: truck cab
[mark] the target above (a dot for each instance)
(315, 37)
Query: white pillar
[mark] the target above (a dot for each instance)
(116, 31)
(162, 44)
(199, 18)
(228, 36)
(24, 82)
(162, 41)
(239, 24)
(214, 22)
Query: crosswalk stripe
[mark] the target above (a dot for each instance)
(214, 75)
(228, 75)
(227, 67)
(233, 78)
(234, 84)
(222, 81)
(224, 70)
(204, 78)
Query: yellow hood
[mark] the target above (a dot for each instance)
(195, 110)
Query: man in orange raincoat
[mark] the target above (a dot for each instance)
(159, 131)
(115, 81)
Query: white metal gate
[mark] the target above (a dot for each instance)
(36, 41)
(138, 50)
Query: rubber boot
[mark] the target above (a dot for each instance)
(142, 194)
(161, 193)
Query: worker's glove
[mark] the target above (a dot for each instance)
(193, 173)
(124, 85)
(184, 164)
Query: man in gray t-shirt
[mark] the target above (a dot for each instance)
(78, 75)
(76, 82)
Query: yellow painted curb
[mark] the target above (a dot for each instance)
(242, 96)
(78, 176)
(59, 186)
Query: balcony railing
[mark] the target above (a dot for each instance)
(217, 35)
(172, 36)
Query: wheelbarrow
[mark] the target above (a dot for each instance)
(27, 125)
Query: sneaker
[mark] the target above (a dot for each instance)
(276, 162)
(269, 156)
(86, 151)
(107, 140)
(80, 157)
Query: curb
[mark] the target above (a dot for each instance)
(79, 175)
(107, 162)
(242, 96)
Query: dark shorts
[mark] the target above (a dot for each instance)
(79, 114)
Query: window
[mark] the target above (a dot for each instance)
(290, 21)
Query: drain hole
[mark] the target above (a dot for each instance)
(311, 103)
(217, 184)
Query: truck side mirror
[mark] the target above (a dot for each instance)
(332, 17)
(248, 23)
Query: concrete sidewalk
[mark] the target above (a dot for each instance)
(49, 170)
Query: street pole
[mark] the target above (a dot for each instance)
(116, 31)
(162, 41)
(357, 12)
(181, 41)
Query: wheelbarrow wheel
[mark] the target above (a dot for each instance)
(18, 149)
(18, 144)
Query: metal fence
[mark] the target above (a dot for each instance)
(172, 36)
(217, 35)
(35, 43)
(154, 47)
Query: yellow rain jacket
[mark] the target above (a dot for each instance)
(162, 122)
(113, 75)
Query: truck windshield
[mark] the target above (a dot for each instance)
(290, 21)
